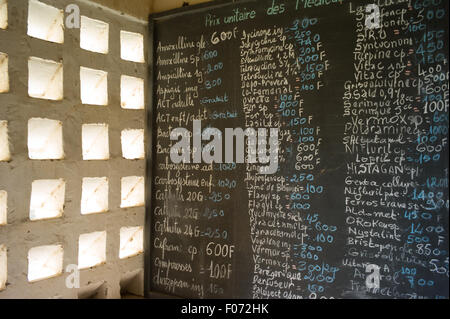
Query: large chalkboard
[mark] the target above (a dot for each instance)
(357, 206)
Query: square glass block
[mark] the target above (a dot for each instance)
(45, 139)
(131, 241)
(3, 207)
(93, 86)
(47, 199)
(132, 191)
(91, 249)
(131, 93)
(3, 267)
(5, 154)
(45, 22)
(133, 144)
(132, 46)
(94, 195)
(3, 14)
(95, 141)
(4, 75)
(94, 35)
(45, 79)
(45, 262)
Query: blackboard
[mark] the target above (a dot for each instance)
(357, 204)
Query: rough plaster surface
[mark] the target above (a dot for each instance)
(143, 8)
(165, 5)
(16, 176)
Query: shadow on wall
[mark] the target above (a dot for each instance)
(131, 287)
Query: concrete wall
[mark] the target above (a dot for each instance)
(163, 5)
(17, 175)
(142, 8)
(136, 8)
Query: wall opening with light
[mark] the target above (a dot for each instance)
(72, 160)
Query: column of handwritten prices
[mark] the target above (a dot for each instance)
(396, 142)
(45, 139)
(191, 75)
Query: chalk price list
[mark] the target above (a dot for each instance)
(385, 232)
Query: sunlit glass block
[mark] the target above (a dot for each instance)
(132, 46)
(5, 155)
(45, 79)
(94, 86)
(94, 35)
(133, 144)
(3, 14)
(3, 267)
(47, 199)
(4, 75)
(3, 208)
(45, 139)
(45, 22)
(132, 191)
(131, 241)
(95, 141)
(94, 195)
(45, 262)
(91, 249)
(131, 92)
